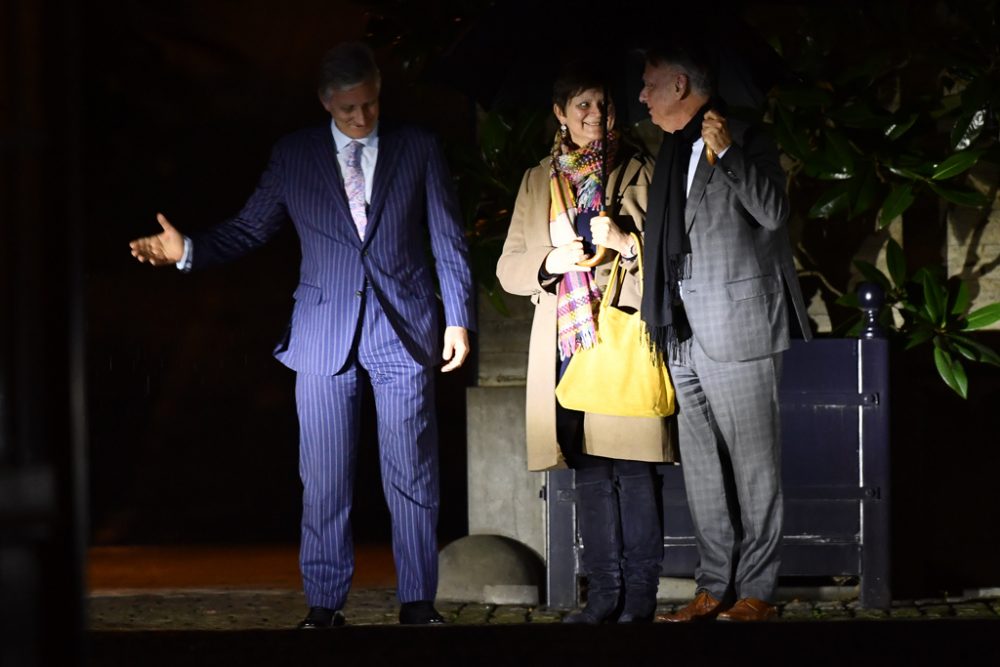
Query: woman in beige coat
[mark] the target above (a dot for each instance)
(556, 218)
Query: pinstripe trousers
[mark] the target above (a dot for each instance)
(728, 432)
(329, 410)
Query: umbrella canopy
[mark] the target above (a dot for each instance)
(512, 53)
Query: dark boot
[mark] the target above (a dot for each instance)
(642, 545)
(598, 521)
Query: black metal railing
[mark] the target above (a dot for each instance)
(834, 405)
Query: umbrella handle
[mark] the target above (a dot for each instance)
(598, 255)
(593, 260)
(710, 155)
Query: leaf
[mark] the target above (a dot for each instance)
(984, 354)
(895, 130)
(946, 368)
(872, 274)
(913, 167)
(905, 173)
(895, 262)
(863, 192)
(850, 327)
(837, 151)
(918, 337)
(900, 198)
(793, 140)
(933, 299)
(966, 351)
(827, 174)
(961, 379)
(968, 198)
(848, 300)
(959, 296)
(967, 129)
(830, 203)
(956, 164)
(983, 317)
(855, 330)
(859, 115)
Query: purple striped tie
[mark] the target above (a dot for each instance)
(354, 184)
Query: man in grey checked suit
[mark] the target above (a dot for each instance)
(718, 282)
(363, 197)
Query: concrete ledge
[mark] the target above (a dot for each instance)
(511, 594)
(490, 569)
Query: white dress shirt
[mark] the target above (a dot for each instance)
(697, 148)
(369, 154)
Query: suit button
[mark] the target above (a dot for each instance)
(364, 253)
(359, 293)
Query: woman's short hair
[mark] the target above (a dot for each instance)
(345, 66)
(575, 78)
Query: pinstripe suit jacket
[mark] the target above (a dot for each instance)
(411, 193)
(741, 255)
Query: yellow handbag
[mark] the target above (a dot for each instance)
(621, 375)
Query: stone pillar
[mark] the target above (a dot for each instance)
(501, 561)
(503, 495)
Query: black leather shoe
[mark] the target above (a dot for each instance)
(421, 612)
(319, 618)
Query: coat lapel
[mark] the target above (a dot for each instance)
(701, 175)
(325, 153)
(385, 168)
(618, 183)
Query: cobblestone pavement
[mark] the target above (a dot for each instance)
(230, 610)
(248, 628)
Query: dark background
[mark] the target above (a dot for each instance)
(192, 428)
(142, 406)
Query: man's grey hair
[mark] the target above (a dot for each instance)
(690, 60)
(345, 66)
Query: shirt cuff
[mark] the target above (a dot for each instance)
(187, 256)
(631, 251)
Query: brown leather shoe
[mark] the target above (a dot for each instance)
(704, 607)
(749, 609)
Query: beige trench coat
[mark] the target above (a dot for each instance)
(524, 252)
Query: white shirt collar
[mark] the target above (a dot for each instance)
(341, 140)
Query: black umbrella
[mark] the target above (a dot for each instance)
(512, 52)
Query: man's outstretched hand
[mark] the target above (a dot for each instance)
(164, 248)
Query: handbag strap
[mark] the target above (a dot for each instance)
(615, 281)
(620, 184)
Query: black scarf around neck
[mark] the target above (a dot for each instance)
(667, 247)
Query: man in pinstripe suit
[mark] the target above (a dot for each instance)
(363, 196)
(719, 280)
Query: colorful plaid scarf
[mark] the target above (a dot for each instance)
(575, 185)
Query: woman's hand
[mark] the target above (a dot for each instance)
(563, 259)
(606, 233)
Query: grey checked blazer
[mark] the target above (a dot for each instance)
(742, 258)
